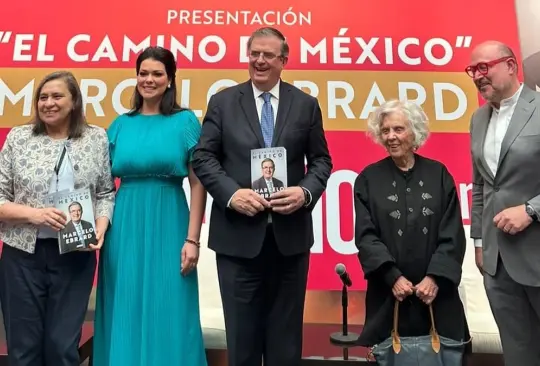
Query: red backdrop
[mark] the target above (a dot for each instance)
(373, 51)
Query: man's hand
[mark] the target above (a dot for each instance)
(288, 200)
(512, 220)
(248, 202)
(427, 290)
(479, 259)
(402, 288)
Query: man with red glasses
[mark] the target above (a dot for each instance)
(505, 145)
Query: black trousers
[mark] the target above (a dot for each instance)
(44, 301)
(263, 304)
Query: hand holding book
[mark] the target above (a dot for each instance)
(248, 202)
(102, 224)
(49, 216)
(288, 200)
(79, 232)
(268, 171)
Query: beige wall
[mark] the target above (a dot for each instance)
(528, 16)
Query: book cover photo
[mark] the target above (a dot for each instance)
(80, 229)
(268, 170)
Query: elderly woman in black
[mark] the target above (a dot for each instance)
(408, 231)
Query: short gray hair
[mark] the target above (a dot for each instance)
(270, 32)
(413, 113)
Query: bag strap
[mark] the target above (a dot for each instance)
(396, 342)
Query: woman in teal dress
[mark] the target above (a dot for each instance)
(147, 308)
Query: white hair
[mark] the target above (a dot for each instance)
(413, 113)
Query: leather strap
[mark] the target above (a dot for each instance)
(396, 342)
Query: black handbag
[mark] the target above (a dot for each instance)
(428, 350)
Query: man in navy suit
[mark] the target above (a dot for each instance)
(262, 247)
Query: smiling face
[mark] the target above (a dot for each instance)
(75, 213)
(493, 73)
(266, 61)
(55, 103)
(152, 80)
(268, 169)
(397, 135)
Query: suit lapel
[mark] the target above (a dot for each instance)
(483, 117)
(522, 115)
(285, 102)
(247, 102)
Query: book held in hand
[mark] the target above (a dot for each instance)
(268, 170)
(50, 199)
(80, 229)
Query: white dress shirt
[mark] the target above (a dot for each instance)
(498, 125)
(269, 185)
(80, 232)
(274, 100)
(259, 102)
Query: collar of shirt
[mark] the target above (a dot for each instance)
(274, 91)
(512, 101)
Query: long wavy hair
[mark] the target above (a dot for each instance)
(168, 104)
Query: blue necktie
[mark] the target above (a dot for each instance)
(267, 119)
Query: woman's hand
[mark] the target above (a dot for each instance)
(48, 216)
(427, 290)
(190, 257)
(402, 288)
(102, 224)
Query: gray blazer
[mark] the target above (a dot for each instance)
(27, 167)
(517, 181)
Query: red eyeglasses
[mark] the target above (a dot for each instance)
(483, 67)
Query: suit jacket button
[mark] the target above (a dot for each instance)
(496, 188)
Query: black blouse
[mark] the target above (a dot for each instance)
(408, 223)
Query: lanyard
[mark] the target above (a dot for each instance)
(59, 164)
(60, 161)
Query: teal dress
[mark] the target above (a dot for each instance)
(147, 313)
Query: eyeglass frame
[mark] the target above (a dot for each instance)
(489, 64)
(266, 55)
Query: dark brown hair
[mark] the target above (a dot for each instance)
(168, 104)
(77, 120)
(267, 32)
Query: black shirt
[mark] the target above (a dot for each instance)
(409, 224)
